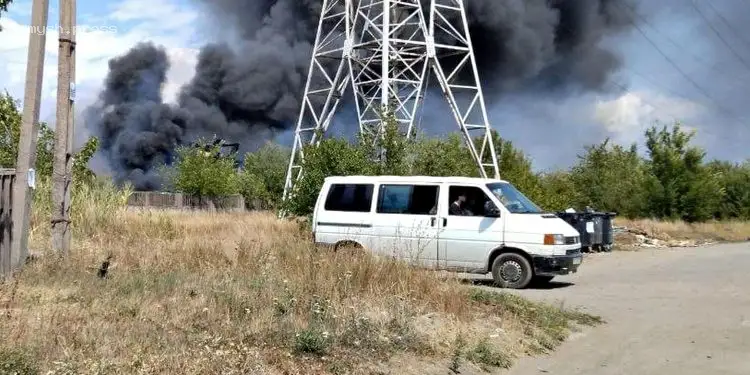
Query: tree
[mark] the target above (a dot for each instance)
(10, 132)
(610, 178)
(735, 181)
(81, 171)
(199, 171)
(4, 8)
(558, 191)
(680, 186)
(394, 145)
(264, 175)
(331, 157)
(438, 157)
(45, 151)
(516, 168)
(672, 182)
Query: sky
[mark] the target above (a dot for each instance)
(687, 60)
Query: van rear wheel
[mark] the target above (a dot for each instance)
(512, 271)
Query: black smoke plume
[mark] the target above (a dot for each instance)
(248, 88)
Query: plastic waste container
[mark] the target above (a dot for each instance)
(607, 232)
(594, 228)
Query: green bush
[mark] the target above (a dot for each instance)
(198, 171)
(264, 175)
(672, 181)
(10, 132)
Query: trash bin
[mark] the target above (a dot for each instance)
(579, 220)
(607, 233)
(594, 228)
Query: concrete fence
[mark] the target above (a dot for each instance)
(163, 200)
(7, 178)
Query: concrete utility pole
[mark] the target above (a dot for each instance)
(62, 174)
(30, 131)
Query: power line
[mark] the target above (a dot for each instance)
(678, 69)
(679, 46)
(724, 112)
(675, 66)
(728, 24)
(729, 46)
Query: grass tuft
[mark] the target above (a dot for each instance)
(17, 361)
(545, 326)
(489, 357)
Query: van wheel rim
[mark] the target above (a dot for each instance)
(511, 271)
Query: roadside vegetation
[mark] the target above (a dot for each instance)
(670, 180)
(230, 293)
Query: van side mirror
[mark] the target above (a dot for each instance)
(492, 211)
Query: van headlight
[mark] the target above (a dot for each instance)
(554, 239)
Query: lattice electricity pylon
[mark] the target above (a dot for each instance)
(382, 48)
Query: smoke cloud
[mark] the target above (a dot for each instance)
(248, 87)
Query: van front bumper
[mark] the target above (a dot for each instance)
(558, 264)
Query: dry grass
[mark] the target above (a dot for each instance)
(716, 231)
(201, 293)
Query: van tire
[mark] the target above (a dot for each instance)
(512, 271)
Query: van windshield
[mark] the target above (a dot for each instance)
(513, 199)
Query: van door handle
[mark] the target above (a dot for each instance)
(445, 221)
(432, 221)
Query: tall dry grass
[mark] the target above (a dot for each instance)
(714, 231)
(200, 293)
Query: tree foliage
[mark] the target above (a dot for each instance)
(201, 172)
(671, 178)
(670, 181)
(10, 132)
(262, 183)
(679, 185)
(610, 178)
(4, 8)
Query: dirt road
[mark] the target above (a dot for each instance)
(668, 312)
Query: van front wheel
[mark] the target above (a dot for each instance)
(511, 271)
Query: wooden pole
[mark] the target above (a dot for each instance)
(63, 163)
(22, 193)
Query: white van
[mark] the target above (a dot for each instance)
(461, 224)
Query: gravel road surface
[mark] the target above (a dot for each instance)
(668, 312)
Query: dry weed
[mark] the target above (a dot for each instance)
(721, 231)
(195, 293)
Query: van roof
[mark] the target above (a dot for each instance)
(411, 179)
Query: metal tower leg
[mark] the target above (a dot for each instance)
(327, 78)
(451, 52)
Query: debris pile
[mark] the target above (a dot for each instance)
(637, 238)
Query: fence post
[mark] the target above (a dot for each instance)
(178, 201)
(241, 204)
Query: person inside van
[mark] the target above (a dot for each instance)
(457, 207)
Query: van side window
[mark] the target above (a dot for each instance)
(349, 197)
(476, 202)
(408, 199)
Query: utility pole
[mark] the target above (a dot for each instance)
(62, 174)
(22, 194)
